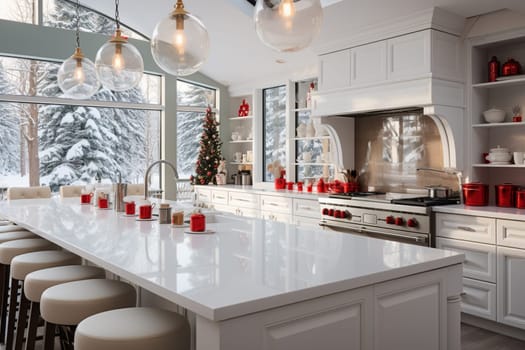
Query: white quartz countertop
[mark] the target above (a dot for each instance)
(247, 265)
(486, 211)
(267, 191)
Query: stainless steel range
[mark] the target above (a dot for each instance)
(394, 216)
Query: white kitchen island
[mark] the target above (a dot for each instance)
(255, 284)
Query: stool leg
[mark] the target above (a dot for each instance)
(11, 314)
(5, 294)
(34, 315)
(22, 320)
(49, 336)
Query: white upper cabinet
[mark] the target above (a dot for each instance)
(409, 56)
(368, 64)
(334, 70)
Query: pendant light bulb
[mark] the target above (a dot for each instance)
(78, 75)
(180, 42)
(119, 64)
(287, 8)
(288, 25)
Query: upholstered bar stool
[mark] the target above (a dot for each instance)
(21, 265)
(135, 328)
(8, 251)
(37, 282)
(28, 192)
(70, 191)
(69, 303)
(135, 190)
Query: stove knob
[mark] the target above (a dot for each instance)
(390, 220)
(325, 211)
(345, 214)
(400, 221)
(337, 214)
(331, 212)
(412, 222)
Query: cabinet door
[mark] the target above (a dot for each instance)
(247, 212)
(409, 56)
(334, 70)
(511, 233)
(219, 197)
(368, 64)
(468, 228)
(480, 259)
(511, 286)
(203, 196)
(306, 222)
(276, 204)
(244, 200)
(307, 207)
(479, 298)
(276, 216)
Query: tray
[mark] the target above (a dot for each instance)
(205, 232)
(150, 219)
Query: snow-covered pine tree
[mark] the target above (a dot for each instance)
(210, 151)
(9, 134)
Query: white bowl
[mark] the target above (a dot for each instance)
(494, 115)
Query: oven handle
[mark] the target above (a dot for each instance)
(367, 230)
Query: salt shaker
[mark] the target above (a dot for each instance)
(164, 213)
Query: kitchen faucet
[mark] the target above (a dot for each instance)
(449, 171)
(146, 177)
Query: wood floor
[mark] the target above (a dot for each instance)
(473, 338)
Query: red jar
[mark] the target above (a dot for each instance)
(520, 198)
(476, 194)
(511, 67)
(321, 188)
(493, 68)
(505, 195)
(197, 222)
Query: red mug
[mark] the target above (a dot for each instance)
(289, 186)
(145, 211)
(103, 203)
(86, 198)
(300, 186)
(130, 208)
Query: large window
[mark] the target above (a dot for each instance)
(274, 132)
(192, 101)
(48, 140)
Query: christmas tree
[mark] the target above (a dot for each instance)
(210, 151)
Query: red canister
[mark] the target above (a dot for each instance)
(505, 195)
(493, 68)
(475, 193)
(520, 198)
(197, 222)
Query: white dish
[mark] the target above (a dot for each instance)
(129, 215)
(105, 208)
(181, 226)
(150, 219)
(205, 232)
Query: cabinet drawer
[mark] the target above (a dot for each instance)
(480, 259)
(511, 233)
(203, 195)
(479, 298)
(219, 197)
(276, 216)
(307, 207)
(278, 204)
(247, 212)
(310, 223)
(244, 200)
(468, 228)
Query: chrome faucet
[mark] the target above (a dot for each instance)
(146, 177)
(449, 171)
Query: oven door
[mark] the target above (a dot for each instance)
(378, 232)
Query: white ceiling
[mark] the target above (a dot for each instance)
(237, 57)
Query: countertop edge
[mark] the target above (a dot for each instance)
(485, 211)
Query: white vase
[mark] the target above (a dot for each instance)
(301, 130)
(310, 129)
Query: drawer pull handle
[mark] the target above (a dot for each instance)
(273, 204)
(462, 294)
(466, 228)
(305, 208)
(242, 200)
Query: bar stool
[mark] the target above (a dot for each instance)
(28, 192)
(8, 250)
(133, 329)
(37, 282)
(21, 265)
(69, 303)
(11, 228)
(70, 191)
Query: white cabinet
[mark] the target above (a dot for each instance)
(469, 228)
(511, 233)
(203, 196)
(511, 286)
(368, 64)
(480, 259)
(409, 55)
(479, 298)
(309, 208)
(219, 197)
(282, 205)
(334, 70)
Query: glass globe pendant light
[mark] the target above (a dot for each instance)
(119, 64)
(288, 25)
(77, 76)
(180, 42)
